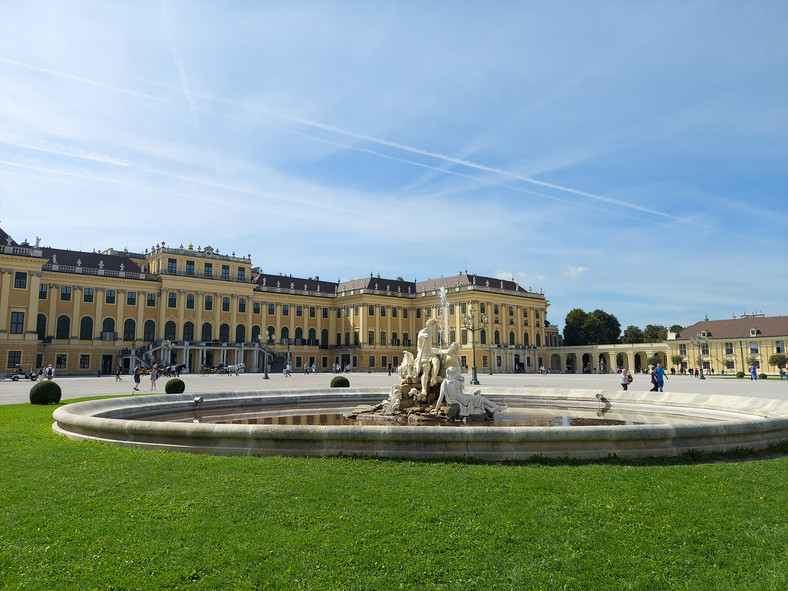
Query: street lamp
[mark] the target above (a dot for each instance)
(264, 341)
(469, 320)
(699, 340)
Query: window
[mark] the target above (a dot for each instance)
(395, 339)
(495, 309)
(151, 300)
(312, 311)
(87, 294)
(17, 322)
(65, 293)
(299, 311)
(325, 312)
(43, 290)
(753, 347)
(484, 360)
(271, 309)
(483, 337)
(20, 280)
(418, 313)
(63, 327)
(452, 335)
(225, 271)
(704, 349)
(729, 348)
(372, 361)
(190, 301)
(61, 360)
(371, 337)
(109, 298)
(129, 330)
(14, 359)
(188, 331)
(383, 338)
(429, 312)
(405, 340)
(86, 329)
(371, 311)
(511, 310)
(393, 312)
(172, 266)
(41, 328)
(241, 274)
(347, 311)
(208, 270)
(511, 338)
(225, 304)
(498, 360)
(224, 333)
(497, 338)
(464, 337)
(172, 299)
(285, 310)
(84, 362)
(779, 346)
(355, 337)
(355, 310)
(682, 349)
(383, 311)
(451, 309)
(149, 332)
(190, 267)
(404, 312)
(131, 298)
(209, 302)
(536, 313)
(240, 333)
(255, 307)
(482, 307)
(241, 305)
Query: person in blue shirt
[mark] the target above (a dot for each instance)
(661, 377)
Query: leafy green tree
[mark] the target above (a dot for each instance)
(573, 327)
(778, 360)
(612, 326)
(653, 360)
(654, 333)
(676, 360)
(594, 330)
(632, 334)
(676, 328)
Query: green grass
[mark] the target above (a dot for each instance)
(77, 515)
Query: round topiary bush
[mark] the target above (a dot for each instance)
(46, 392)
(739, 374)
(174, 386)
(762, 376)
(340, 382)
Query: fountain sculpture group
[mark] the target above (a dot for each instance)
(430, 388)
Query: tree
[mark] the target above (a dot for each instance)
(632, 334)
(778, 360)
(612, 327)
(573, 327)
(676, 360)
(676, 328)
(654, 333)
(653, 360)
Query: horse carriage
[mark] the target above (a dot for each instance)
(223, 370)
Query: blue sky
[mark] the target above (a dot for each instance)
(627, 156)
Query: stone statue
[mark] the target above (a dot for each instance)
(427, 362)
(469, 404)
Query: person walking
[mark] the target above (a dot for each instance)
(626, 378)
(753, 372)
(50, 372)
(288, 368)
(654, 380)
(154, 375)
(117, 373)
(137, 373)
(661, 377)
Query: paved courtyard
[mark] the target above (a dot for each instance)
(79, 387)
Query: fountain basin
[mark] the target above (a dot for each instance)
(728, 423)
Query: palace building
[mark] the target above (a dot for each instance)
(88, 312)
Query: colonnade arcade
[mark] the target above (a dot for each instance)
(605, 358)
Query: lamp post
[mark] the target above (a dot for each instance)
(264, 342)
(469, 320)
(699, 340)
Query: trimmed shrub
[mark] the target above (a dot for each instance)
(174, 386)
(762, 376)
(739, 374)
(340, 382)
(46, 392)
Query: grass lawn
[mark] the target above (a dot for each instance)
(76, 515)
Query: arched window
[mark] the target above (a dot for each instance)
(285, 335)
(169, 330)
(41, 327)
(85, 329)
(108, 325)
(525, 339)
(207, 332)
(149, 331)
(299, 336)
(240, 333)
(129, 330)
(538, 340)
(497, 338)
(63, 327)
(324, 338)
(312, 337)
(483, 337)
(188, 331)
(255, 334)
(224, 333)
(511, 338)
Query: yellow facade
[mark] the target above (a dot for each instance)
(87, 313)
